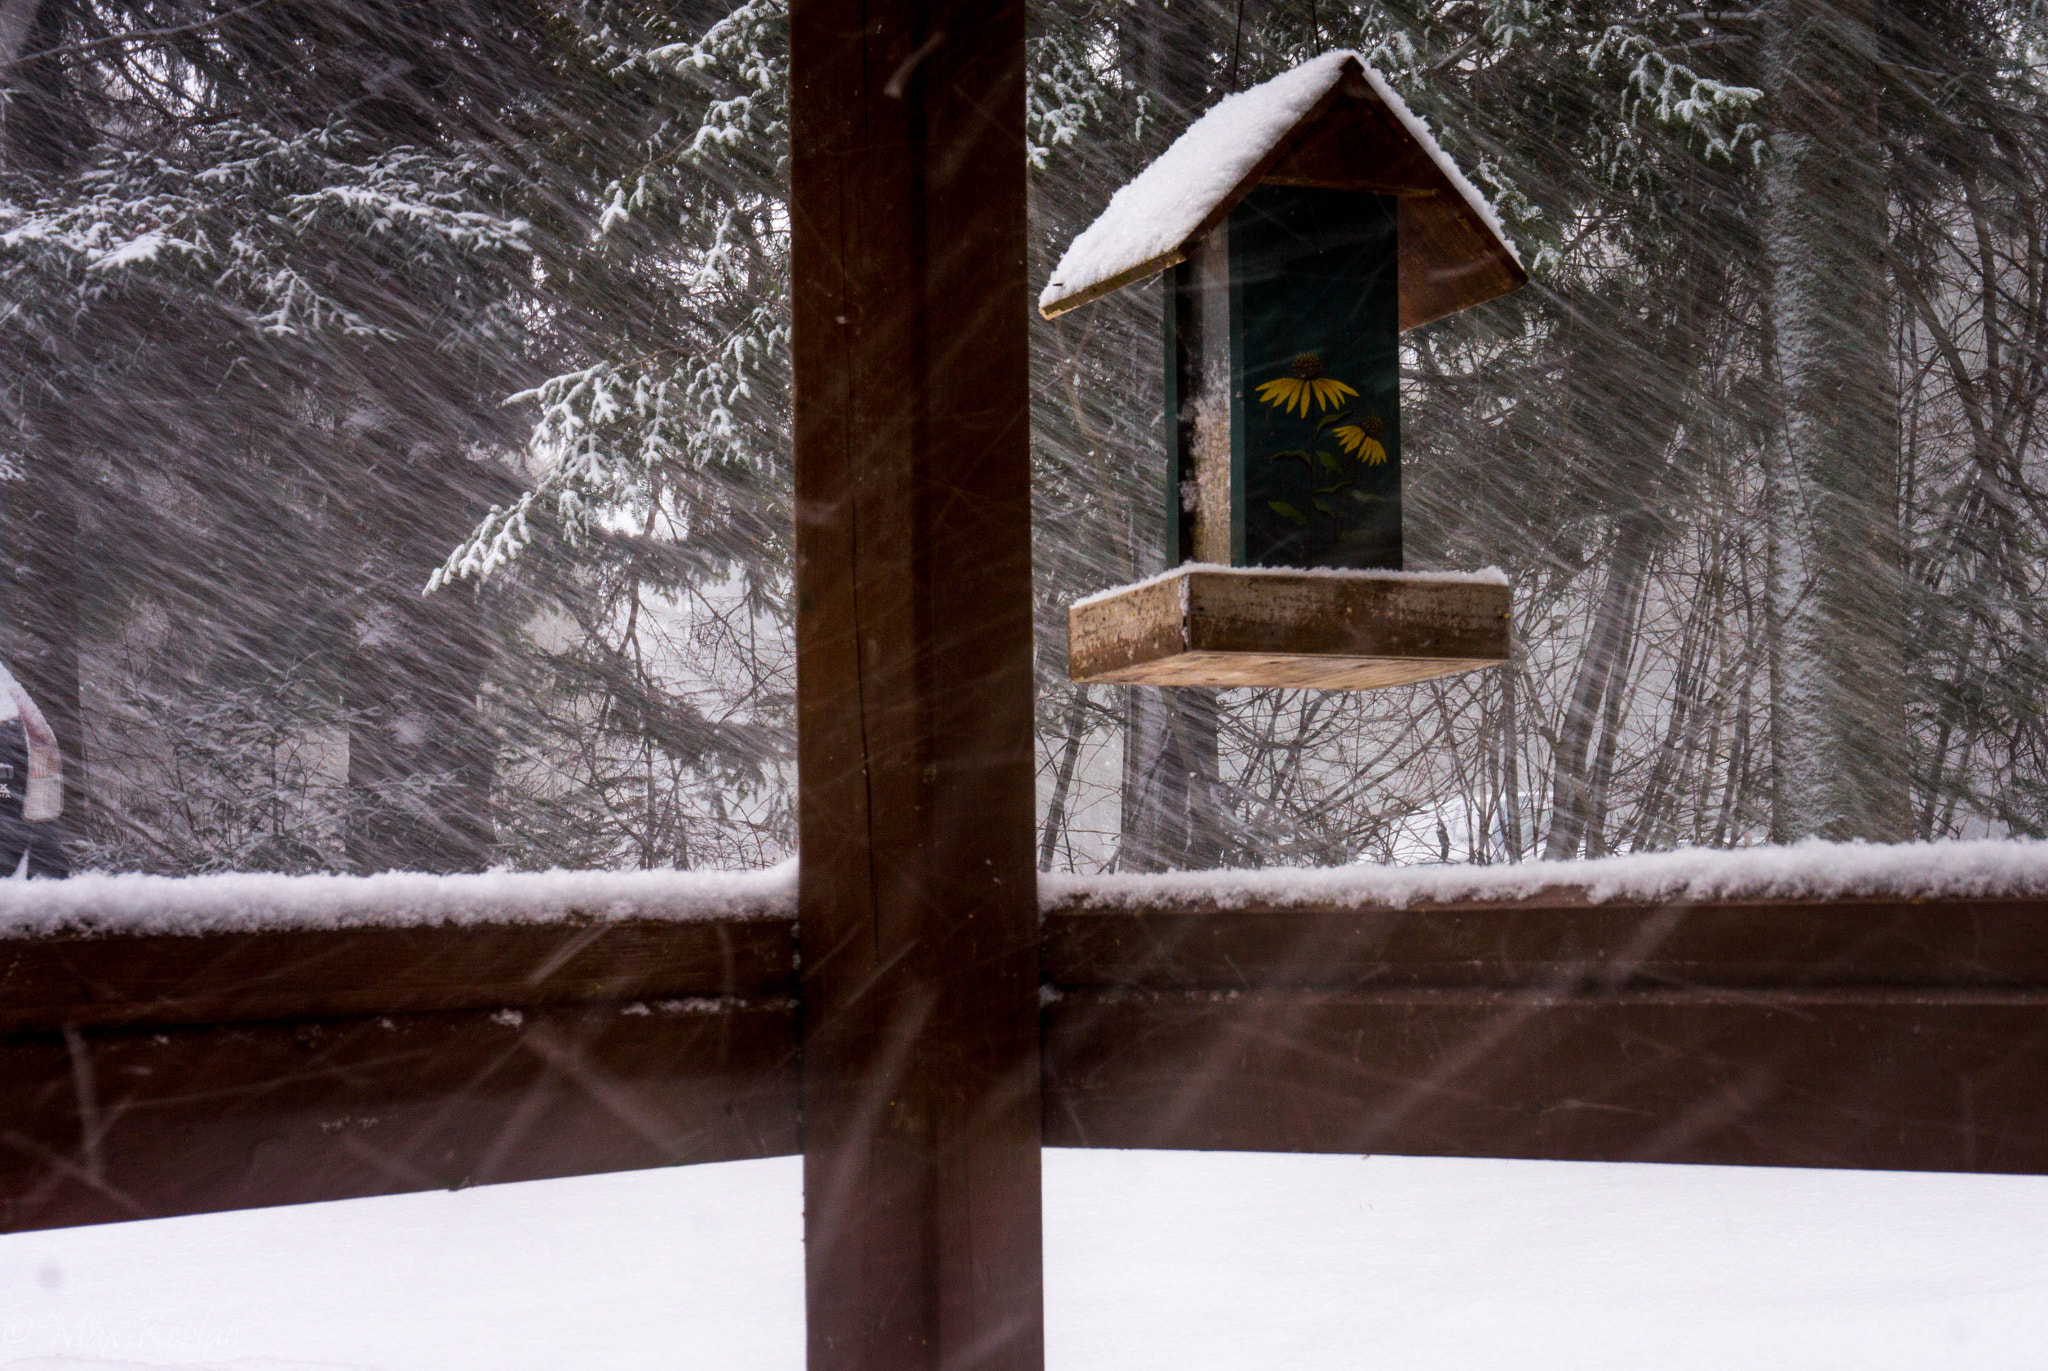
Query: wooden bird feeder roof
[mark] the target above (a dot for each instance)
(1334, 123)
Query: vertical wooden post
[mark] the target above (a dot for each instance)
(917, 892)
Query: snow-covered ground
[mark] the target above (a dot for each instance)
(1154, 1259)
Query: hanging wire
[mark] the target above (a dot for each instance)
(1236, 44)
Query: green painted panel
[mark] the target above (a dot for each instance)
(1316, 400)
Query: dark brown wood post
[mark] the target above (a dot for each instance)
(918, 911)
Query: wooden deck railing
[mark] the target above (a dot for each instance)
(144, 1075)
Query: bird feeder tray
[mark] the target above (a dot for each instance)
(1323, 630)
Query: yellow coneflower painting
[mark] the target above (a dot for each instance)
(1360, 444)
(1307, 384)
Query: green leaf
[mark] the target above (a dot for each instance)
(1330, 463)
(1326, 507)
(1287, 512)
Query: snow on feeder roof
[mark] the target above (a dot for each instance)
(1334, 123)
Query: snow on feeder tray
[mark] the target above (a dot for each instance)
(1302, 226)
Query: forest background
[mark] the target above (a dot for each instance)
(394, 405)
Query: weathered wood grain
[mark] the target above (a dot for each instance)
(1896, 1080)
(1219, 626)
(105, 1124)
(157, 1075)
(1556, 941)
(1201, 348)
(54, 982)
(1874, 1032)
(918, 917)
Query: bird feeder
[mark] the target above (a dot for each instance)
(1302, 226)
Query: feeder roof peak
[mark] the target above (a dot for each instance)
(1333, 121)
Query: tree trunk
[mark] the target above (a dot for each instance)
(1632, 389)
(421, 759)
(1841, 737)
(1511, 764)
(1173, 814)
(1610, 730)
(1063, 779)
(1173, 810)
(40, 128)
(1571, 801)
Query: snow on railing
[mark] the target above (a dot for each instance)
(243, 903)
(1812, 870)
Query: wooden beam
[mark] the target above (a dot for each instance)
(144, 1076)
(1890, 1033)
(1889, 1081)
(57, 982)
(918, 919)
(1879, 1033)
(1556, 941)
(99, 1125)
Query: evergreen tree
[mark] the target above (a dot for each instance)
(285, 285)
(316, 305)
